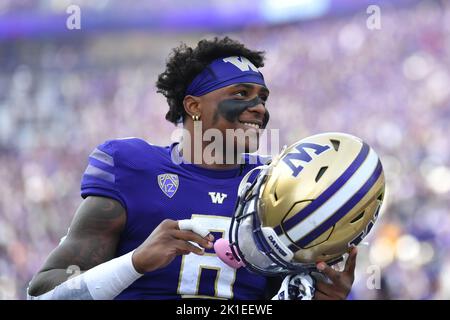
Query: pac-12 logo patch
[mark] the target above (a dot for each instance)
(168, 183)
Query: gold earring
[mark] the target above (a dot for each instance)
(196, 117)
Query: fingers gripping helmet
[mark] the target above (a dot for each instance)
(313, 202)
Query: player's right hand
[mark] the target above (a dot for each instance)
(165, 243)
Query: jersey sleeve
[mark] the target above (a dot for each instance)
(101, 175)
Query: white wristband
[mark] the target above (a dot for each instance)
(103, 282)
(108, 279)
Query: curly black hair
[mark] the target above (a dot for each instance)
(185, 63)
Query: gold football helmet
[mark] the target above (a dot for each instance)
(311, 203)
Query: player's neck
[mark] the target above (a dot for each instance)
(199, 154)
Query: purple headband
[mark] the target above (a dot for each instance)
(223, 72)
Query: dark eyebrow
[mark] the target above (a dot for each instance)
(251, 86)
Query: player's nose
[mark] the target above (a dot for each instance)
(258, 109)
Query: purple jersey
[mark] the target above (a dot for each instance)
(151, 187)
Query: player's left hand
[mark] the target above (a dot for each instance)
(341, 281)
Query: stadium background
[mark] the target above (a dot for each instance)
(63, 91)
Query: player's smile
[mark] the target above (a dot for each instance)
(251, 125)
(254, 120)
(247, 123)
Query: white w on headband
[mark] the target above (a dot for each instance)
(223, 72)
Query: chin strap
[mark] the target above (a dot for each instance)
(296, 287)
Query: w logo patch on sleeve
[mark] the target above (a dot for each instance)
(168, 183)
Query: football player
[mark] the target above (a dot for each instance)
(146, 226)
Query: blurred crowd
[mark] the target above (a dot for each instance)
(391, 87)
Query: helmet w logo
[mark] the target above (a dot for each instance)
(303, 156)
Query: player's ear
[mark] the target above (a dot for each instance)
(192, 105)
